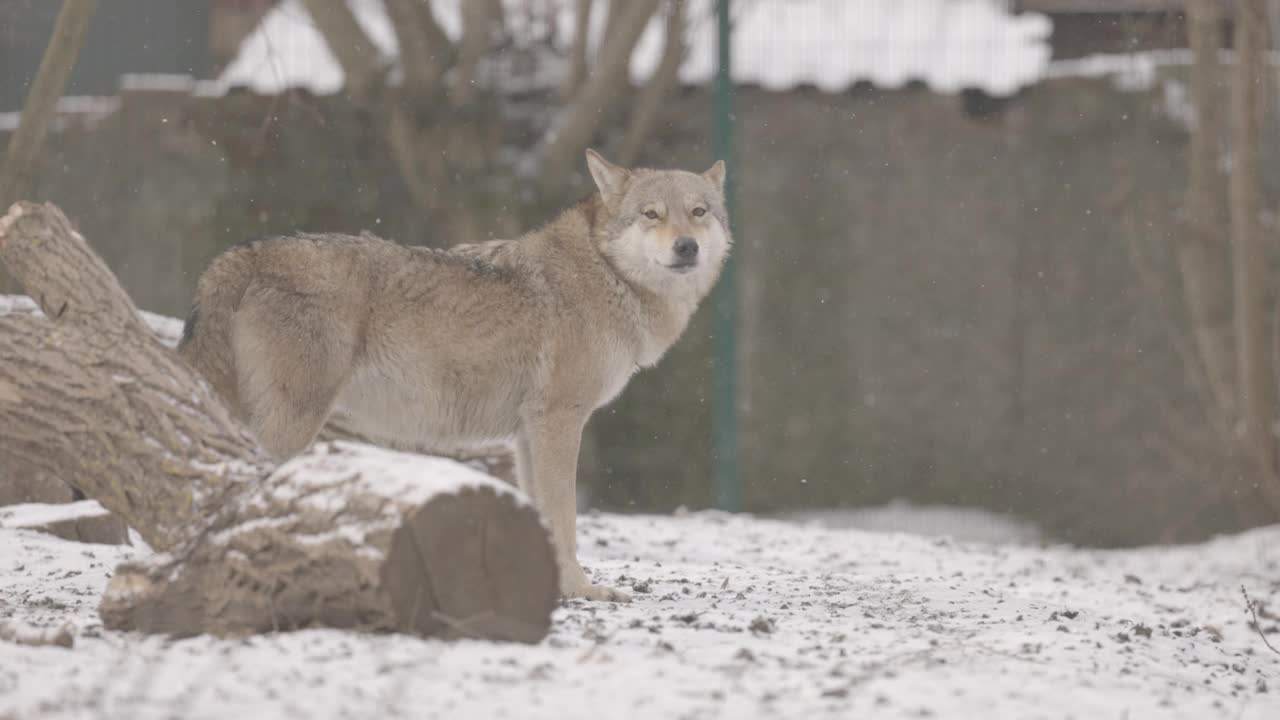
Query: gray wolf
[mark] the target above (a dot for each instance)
(514, 341)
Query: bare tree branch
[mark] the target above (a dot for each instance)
(649, 104)
(359, 57)
(1252, 606)
(571, 133)
(612, 21)
(51, 78)
(578, 55)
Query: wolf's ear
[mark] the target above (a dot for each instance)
(609, 178)
(716, 175)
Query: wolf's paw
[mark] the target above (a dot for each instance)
(586, 591)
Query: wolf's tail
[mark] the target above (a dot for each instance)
(206, 336)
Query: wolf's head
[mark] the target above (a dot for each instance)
(663, 229)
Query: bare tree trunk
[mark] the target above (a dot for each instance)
(425, 51)
(613, 21)
(414, 139)
(345, 535)
(571, 133)
(1203, 250)
(578, 56)
(360, 59)
(1256, 385)
(477, 24)
(422, 173)
(42, 103)
(51, 78)
(649, 104)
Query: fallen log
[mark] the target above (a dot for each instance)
(343, 536)
(359, 537)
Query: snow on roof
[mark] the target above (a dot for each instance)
(949, 45)
(68, 109)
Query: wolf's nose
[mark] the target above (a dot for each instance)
(686, 248)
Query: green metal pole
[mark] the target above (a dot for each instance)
(725, 301)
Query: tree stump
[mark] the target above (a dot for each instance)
(345, 535)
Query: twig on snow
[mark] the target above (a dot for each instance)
(1253, 610)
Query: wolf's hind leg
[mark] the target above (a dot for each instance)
(291, 365)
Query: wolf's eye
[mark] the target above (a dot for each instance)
(651, 214)
(699, 212)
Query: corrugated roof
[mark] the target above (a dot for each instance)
(949, 45)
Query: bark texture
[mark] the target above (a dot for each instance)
(94, 398)
(344, 536)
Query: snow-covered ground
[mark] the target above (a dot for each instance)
(734, 617)
(959, 523)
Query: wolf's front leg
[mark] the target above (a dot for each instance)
(547, 460)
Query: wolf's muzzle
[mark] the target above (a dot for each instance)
(686, 249)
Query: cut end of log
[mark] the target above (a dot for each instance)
(473, 564)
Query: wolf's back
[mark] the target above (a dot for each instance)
(206, 337)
